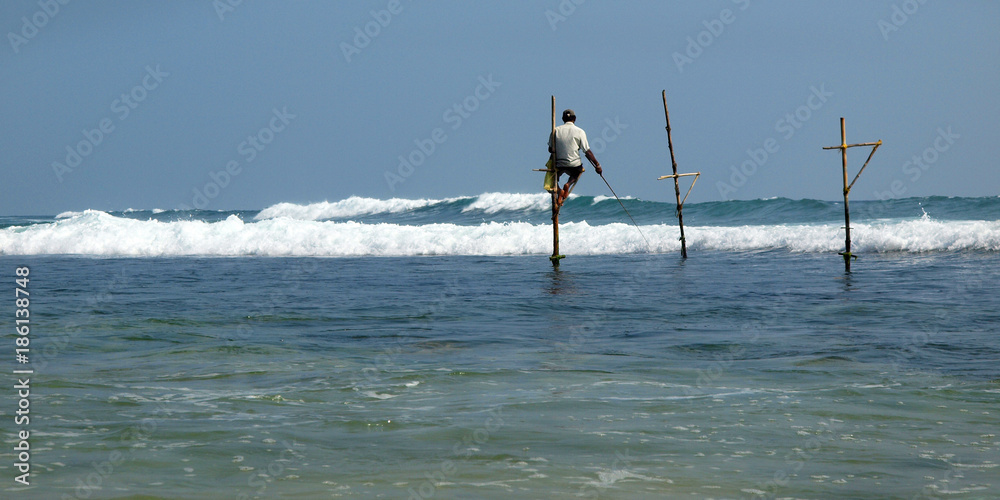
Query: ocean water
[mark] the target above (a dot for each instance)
(427, 349)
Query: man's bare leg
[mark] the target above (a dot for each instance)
(567, 189)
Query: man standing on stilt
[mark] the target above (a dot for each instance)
(566, 142)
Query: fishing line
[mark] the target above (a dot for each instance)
(626, 212)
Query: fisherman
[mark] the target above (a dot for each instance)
(566, 142)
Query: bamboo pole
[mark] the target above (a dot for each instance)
(847, 187)
(847, 207)
(677, 187)
(697, 175)
(556, 257)
(875, 148)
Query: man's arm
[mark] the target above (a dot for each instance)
(593, 161)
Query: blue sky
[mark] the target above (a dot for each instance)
(140, 104)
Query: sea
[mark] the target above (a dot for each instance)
(428, 348)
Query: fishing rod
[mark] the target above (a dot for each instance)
(626, 211)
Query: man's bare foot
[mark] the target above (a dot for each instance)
(563, 194)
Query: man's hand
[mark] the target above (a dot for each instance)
(598, 169)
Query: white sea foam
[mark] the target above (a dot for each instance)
(98, 233)
(601, 197)
(489, 203)
(607, 478)
(492, 203)
(67, 215)
(350, 207)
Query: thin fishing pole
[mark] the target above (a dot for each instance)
(626, 212)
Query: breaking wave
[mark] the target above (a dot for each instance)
(350, 207)
(486, 203)
(102, 234)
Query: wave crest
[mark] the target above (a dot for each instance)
(350, 207)
(492, 203)
(101, 234)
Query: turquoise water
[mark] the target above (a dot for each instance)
(758, 370)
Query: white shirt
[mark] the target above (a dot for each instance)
(570, 140)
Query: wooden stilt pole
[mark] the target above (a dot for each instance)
(847, 187)
(556, 257)
(847, 206)
(677, 187)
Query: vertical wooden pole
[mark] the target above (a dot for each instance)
(848, 256)
(555, 193)
(677, 187)
(847, 208)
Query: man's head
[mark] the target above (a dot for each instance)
(569, 116)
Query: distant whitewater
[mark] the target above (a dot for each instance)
(510, 224)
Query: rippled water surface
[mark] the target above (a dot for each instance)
(729, 375)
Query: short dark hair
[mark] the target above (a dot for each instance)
(569, 116)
